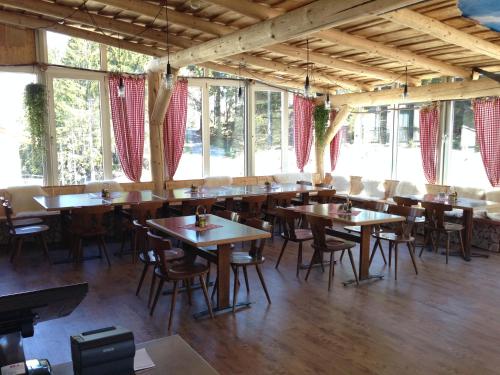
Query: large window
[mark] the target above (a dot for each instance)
(20, 165)
(227, 131)
(464, 152)
(73, 52)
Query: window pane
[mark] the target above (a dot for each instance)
(121, 60)
(367, 147)
(291, 160)
(191, 163)
(78, 131)
(74, 52)
(267, 133)
(464, 154)
(409, 158)
(227, 131)
(23, 167)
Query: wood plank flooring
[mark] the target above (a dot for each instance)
(443, 321)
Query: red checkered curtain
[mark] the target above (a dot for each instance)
(429, 128)
(303, 110)
(487, 123)
(127, 115)
(335, 143)
(174, 127)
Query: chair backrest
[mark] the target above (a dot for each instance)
(280, 199)
(257, 246)
(158, 244)
(405, 201)
(89, 218)
(251, 205)
(140, 237)
(410, 213)
(145, 211)
(229, 215)
(189, 206)
(434, 213)
(288, 218)
(304, 182)
(326, 196)
(375, 206)
(318, 225)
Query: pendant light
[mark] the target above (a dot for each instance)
(169, 77)
(307, 86)
(404, 96)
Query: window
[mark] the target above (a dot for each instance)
(268, 125)
(73, 52)
(77, 110)
(121, 60)
(367, 147)
(464, 152)
(191, 163)
(409, 158)
(23, 167)
(227, 131)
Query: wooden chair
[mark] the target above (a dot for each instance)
(165, 271)
(87, 223)
(292, 234)
(434, 214)
(189, 206)
(251, 206)
(402, 235)
(325, 196)
(148, 257)
(273, 201)
(17, 234)
(323, 245)
(22, 222)
(140, 213)
(304, 197)
(253, 257)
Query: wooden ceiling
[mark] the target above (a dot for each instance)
(360, 55)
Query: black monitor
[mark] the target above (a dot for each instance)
(21, 311)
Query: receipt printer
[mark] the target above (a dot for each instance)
(107, 351)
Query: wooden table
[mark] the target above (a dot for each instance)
(171, 355)
(365, 219)
(229, 232)
(69, 201)
(467, 205)
(233, 191)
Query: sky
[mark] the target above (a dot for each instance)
(486, 12)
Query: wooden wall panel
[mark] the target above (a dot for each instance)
(17, 46)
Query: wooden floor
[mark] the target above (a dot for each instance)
(444, 321)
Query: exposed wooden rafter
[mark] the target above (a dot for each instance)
(305, 20)
(441, 30)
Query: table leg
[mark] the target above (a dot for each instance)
(468, 220)
(223, 275)
(364, 256)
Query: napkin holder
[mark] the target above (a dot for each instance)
(107, 351)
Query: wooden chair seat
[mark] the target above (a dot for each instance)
(300, 235)
(337, 244)
(244, 258)
(30, 230)
(453, 227)
(25, 222)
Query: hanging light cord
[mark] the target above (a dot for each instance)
(168, 43)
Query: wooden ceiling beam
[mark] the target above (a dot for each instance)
(20, 20)
(444, 32)
(311, 18)
(261, 13)
(349, 40)
(422, 94)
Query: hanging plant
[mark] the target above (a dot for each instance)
(35, 106)
(321, 122)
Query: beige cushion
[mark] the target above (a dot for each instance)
(493, 216)
(216, 181)
(356, 185)
(341, 184)
(97, 186)
(467, 192)
(408, 188)
(493, 195)
(292, 178)
(436, 189)
(390, 187)
(373, 189)
(21, 198)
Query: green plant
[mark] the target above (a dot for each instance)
(321, 122)
(35, 106)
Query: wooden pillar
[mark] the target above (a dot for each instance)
(158, 100)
